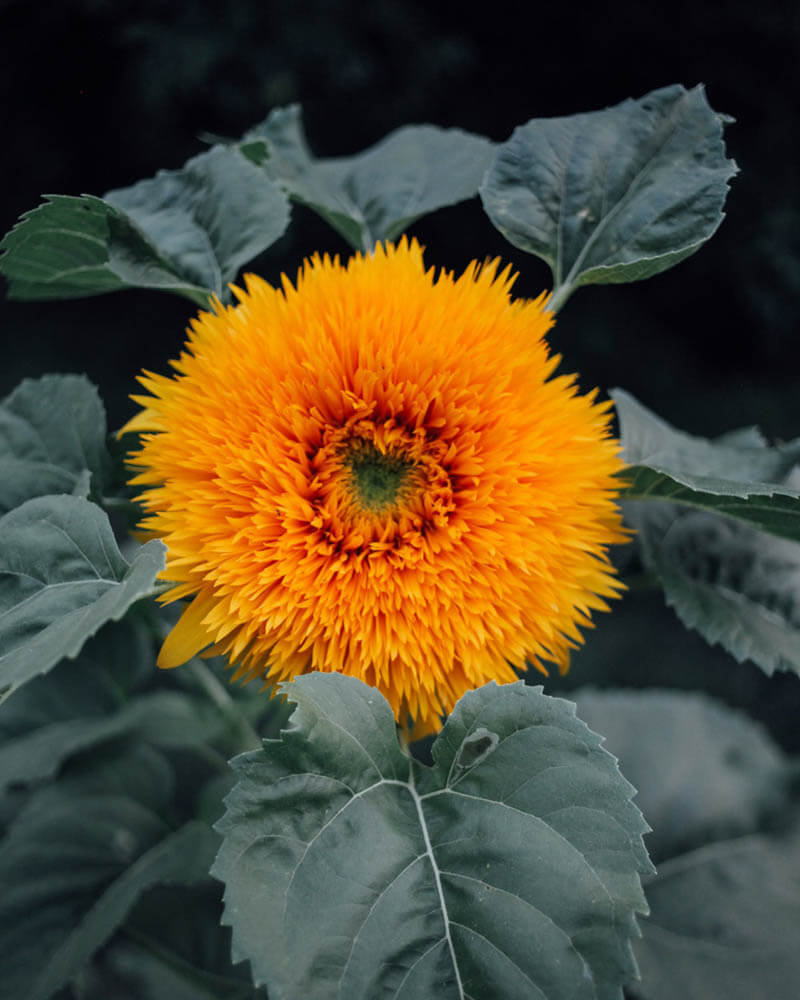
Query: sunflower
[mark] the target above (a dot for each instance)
(375, 471)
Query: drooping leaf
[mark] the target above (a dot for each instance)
(52, 439)
(724, 923)
(703, 770)
(374, 195)
(735, 585)
(614, 195)
(62, 576)
(739, 477)
(186, 231)
(76, 860)
(509, 869)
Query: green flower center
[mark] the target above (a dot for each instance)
(378, 480)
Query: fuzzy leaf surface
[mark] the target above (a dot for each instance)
(737, 476)
(186, 231)
(614, 195)
(62, 577)
(736, 586)
(78, 857)
(724, 923)
(374, 195)
(509, 869)
(52, 439)
(703, 770)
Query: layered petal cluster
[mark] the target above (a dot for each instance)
(376, 471)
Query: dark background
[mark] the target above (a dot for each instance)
(97, 94)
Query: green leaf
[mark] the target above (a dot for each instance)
(615, 195)
(724, 923)
(209, 218)
(172, 946)
(49, 719)
(146, 970)
(734, 585)
(62, 576)
(703, 770)
(70, 247)
(509, 869)
(377, 194)
(737, 476)
(167, 719)
(186, 231)
(76, 860)
(52, 440)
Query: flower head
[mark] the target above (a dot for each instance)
(376, 472)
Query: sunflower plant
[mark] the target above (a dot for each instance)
(374, 499)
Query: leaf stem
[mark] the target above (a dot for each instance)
(559, 296)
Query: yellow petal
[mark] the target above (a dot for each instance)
(188, 637)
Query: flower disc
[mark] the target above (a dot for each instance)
(374, 472)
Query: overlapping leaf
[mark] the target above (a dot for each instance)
(173, 947)
(737, 476)
(507, 870)
(186, 231)
(703, 770)
(62, 576)
(78, 857)
(724, 923)
(374, 195)
(735, 585)
(52, 440)
(614, 195)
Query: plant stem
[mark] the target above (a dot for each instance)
(558, 297)
(220, 697)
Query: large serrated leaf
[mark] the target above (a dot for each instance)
(76, 860)
(62, 577)
(736, 586)
(510, 869)
(737, 476)
(614, 195)
(52, 439)
(186, 231)
(703, 770)
(724, 923)
(374, 195)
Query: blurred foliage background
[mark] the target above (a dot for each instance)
(100, 93)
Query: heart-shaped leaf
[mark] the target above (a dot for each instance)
(509, 869)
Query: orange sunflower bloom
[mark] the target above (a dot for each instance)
(376, 472)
